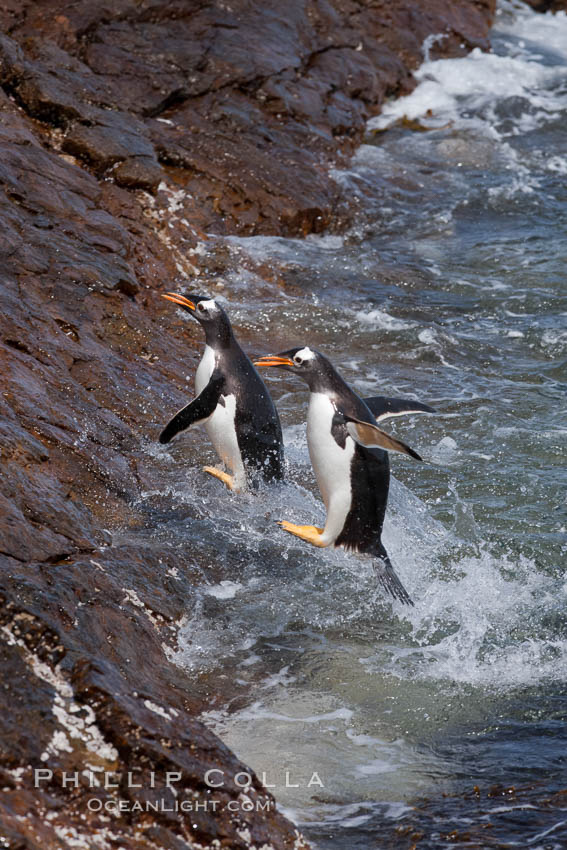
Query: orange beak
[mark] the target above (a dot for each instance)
(274, 360)
(179, 299)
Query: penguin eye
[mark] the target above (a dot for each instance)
(200, 308)
(298, 360)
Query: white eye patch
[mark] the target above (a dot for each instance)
(209, 306)
(304, 354)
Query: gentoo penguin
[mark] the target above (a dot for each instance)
(347, 453)
(233, 403)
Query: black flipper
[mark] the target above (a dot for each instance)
(387, 577)
(383, 407)
(370, 436)
(197, 411)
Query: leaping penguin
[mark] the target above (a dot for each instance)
(233, 403)
(347, 453)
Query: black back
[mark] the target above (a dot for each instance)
(258, 427)
(369, 481)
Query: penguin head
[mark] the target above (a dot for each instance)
(208, 313)
(302, 361)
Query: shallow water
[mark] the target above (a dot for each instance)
(450, 289)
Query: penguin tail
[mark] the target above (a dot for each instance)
(387, 577)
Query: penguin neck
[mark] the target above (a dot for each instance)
(327, 381)
(219, 335)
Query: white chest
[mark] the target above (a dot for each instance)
(205, 369)
(331, 463)
(222, 434)
(221, 426)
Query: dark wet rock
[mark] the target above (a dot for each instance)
(138, 172)
(114, 706)
(249, 102)
(105, 144)
(127, 129)
(548, 5)
(63, 92)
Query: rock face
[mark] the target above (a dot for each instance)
(548, 5)
(126, 130)
(241, 103)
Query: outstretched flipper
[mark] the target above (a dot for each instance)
(197, 411)
(386, 575)
(383, 407)
(371, 437)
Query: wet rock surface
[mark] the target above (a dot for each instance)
(245, 104)
(548, 5)
(127, 131)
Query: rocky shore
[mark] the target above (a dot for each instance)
(128, 131)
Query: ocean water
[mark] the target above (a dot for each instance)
(442, 725)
